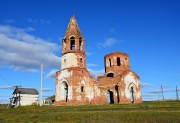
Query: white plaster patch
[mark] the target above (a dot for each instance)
(83, 82)
(57, 93)
(70, 92)
(65, 74)
(69, 60)
(128, 80)
(138, 95)
(78, 98)
(97, 90)
(89, 93)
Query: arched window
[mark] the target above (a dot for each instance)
(118, 61)
(110, 75)
(72, 40)
(82, 89)
(110, 62)
(80, 59)
(80, 43)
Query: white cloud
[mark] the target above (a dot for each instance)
(92, 65)
(51, 74)
(88, 53)
(147, 95)
(109, 42)
(41, 20)
(7, 87)
(22, 51)
(160, 91)
(96, 73)
(44, 21)
(143, 85)
(47, 89)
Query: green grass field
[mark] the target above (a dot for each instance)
(148, 112)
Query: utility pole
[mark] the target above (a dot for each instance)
(41, 83)
(177, 98)
(162, 92)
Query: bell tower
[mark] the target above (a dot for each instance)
(73, 53)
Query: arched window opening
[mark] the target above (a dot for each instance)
(72, 40)
(110, 75)
(110, 62)
(132, 94)
(80, 59)
(118, 61)
(66, 92)
(110, 97)
(82, 89)
(80, 43)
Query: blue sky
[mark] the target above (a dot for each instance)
(148, 30)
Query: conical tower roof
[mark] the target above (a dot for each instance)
(73, 28)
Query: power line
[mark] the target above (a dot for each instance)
(5, 80)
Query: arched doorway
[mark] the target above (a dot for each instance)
(64, 91)
(132, 94)
(117, 91)
(110, 97)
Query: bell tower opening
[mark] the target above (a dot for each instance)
(80, 43)
(72, 40)
(109, 62)
(118, 61)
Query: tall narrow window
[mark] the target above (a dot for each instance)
(80, 59)
(80, 43)
(118, 61)
(110, 62)
(72, 39)
(82, 89)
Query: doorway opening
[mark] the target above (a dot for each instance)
(132, 94)
(117, 91)
(110, 97)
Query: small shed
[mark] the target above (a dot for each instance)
(24, 97)
(49, 100)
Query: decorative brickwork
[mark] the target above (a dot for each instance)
(75, 85)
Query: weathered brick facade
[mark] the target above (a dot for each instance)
(75, 85)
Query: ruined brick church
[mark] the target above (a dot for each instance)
(75, 85)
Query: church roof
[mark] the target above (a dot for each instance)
(25, 91)
(73, 28)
